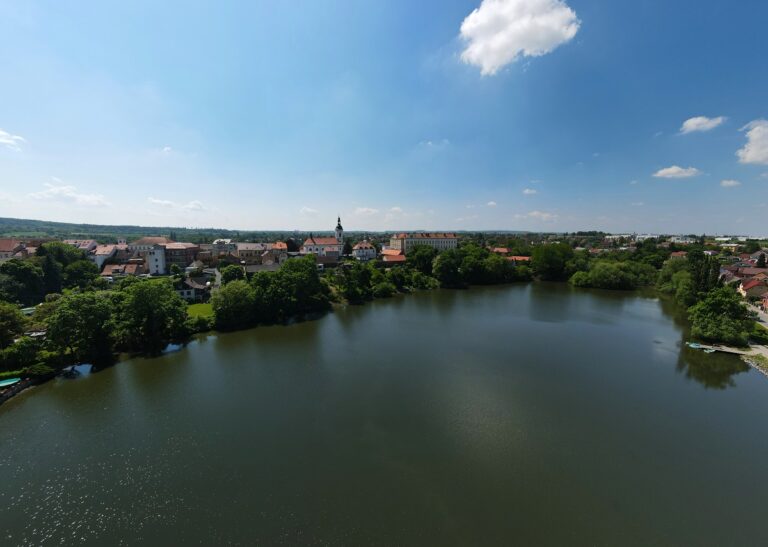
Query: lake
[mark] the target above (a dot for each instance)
(530, 414)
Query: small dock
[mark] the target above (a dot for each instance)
(722, 349)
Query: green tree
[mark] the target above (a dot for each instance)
(447, 269)
(81, 328)
(80, 274)
(61, 252)
(347, 248)
(761, 261)
(421, 258)
(234, 305)
(11, 323)
(52, 274)
(232, 273)
(151, 315)
(549, 261)
(24, 283)
(722, 317)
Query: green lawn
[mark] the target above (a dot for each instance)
(200, 310)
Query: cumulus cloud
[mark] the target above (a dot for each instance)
(307, 211)
(491, 204)
(193, 205)
(756, 149)
(501, 31)
(365, 211)
(729, 183)
(701, 123)
(394, 213)
(58, 191)
(13, 142)
(530, 192)
(676, 172)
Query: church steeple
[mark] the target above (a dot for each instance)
(339, 230)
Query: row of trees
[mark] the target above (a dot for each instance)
(88, 326)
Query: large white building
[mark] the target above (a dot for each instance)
(364, 251)
(440, 241)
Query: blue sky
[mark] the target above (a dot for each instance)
(523, 114)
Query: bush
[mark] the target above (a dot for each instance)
(384, 290)
(40, 370)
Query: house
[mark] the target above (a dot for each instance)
(519, 259)
(753, 288)
(280, 246)
(134, 267)
(500, 251)
(325, 246)
(180, 254)
(147, 243)
(102, 253)
(683, 240)
(440, 241)
(86, 245)
(250, 253)
(364, 251)
(749, 272)
(679, 254)
(223, 247)
(393, 256)
(195, 289)
(9, 247)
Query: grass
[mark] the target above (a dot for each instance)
(760, 361)
(200, 310)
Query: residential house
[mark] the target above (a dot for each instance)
(250, 253)
(9, 247)
(224, 247)
(393, 256)
(147, 243)
(753, 288)
(364, 251)
(195, 289)
(407, 241)
(679, 254)
(134, 267)
(102, 253)
(86, 245)
(180, 254)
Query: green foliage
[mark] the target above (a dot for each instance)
(761, 261)
(52, 275)
(232, 273)
(354, 280)
(40, 370)
(447, 269)
(722, 317)
(63, 253)
(22, 282)
(421, 258)
(150, 315)
(11, 323)
(81, 328)
(80, 274)
(234, 305)
(759, 334)
(384, 290)
(20, 355)
(609, 274)
(549, 261)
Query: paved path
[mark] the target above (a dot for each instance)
(761, 315)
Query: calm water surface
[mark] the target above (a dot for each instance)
(503, 416)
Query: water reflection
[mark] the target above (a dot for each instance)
(713, 371)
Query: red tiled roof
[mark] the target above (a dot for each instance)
(677, 254)
(500, 250)
(363, 245)
(280, 246)
(749, 272)
(152, 241)
(8, 245)
(751, 284)
(322, 241)
(391, 252)
(393, 258)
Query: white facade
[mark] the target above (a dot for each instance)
(156, 260)
(439, 241)
(364, 251)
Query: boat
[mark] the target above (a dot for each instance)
(9, 382)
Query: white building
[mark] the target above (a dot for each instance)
(155, 260)
(441, 241)
(325, 246)
(364, 251)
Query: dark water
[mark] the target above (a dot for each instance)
(505, 416)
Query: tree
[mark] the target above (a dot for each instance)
(81, 327)
(232, 273)
(80, 274)
(421, 258)
(355, 282)
(549, 261)
(722, 317)
(52, 275)
(234, 305)
(61, 252)
(761, 261)
(347, 248)
(24, 282)
(11, 323)
(447, 269)
(175, 269)
(151, 315)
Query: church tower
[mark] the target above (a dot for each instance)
(339, 231)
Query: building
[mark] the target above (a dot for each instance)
(251, 253)
(147, 243)
(86, 245)
(102, 253)
(440, 241)
(754, 288)
(180, 254)
(392, 256)
(9, 247)
(364, 251)
(155, 260)
(325, 246)
(683, 240)
(224, 247)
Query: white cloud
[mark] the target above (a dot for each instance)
(501, 31)
(491, 204)
(13, 142)
(394, 213)
(438, 144)
(396, 210)
(307, 211)
(540, 215)
(632, 182)
(193, 205)
(166, 150)
(530, 192)
(701, 123)
(68, 193)
(676, 172)
(729, 183)
(365, 211)
(756, 149)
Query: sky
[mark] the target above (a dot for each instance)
(543, 115)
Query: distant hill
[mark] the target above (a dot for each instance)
(26, 228)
